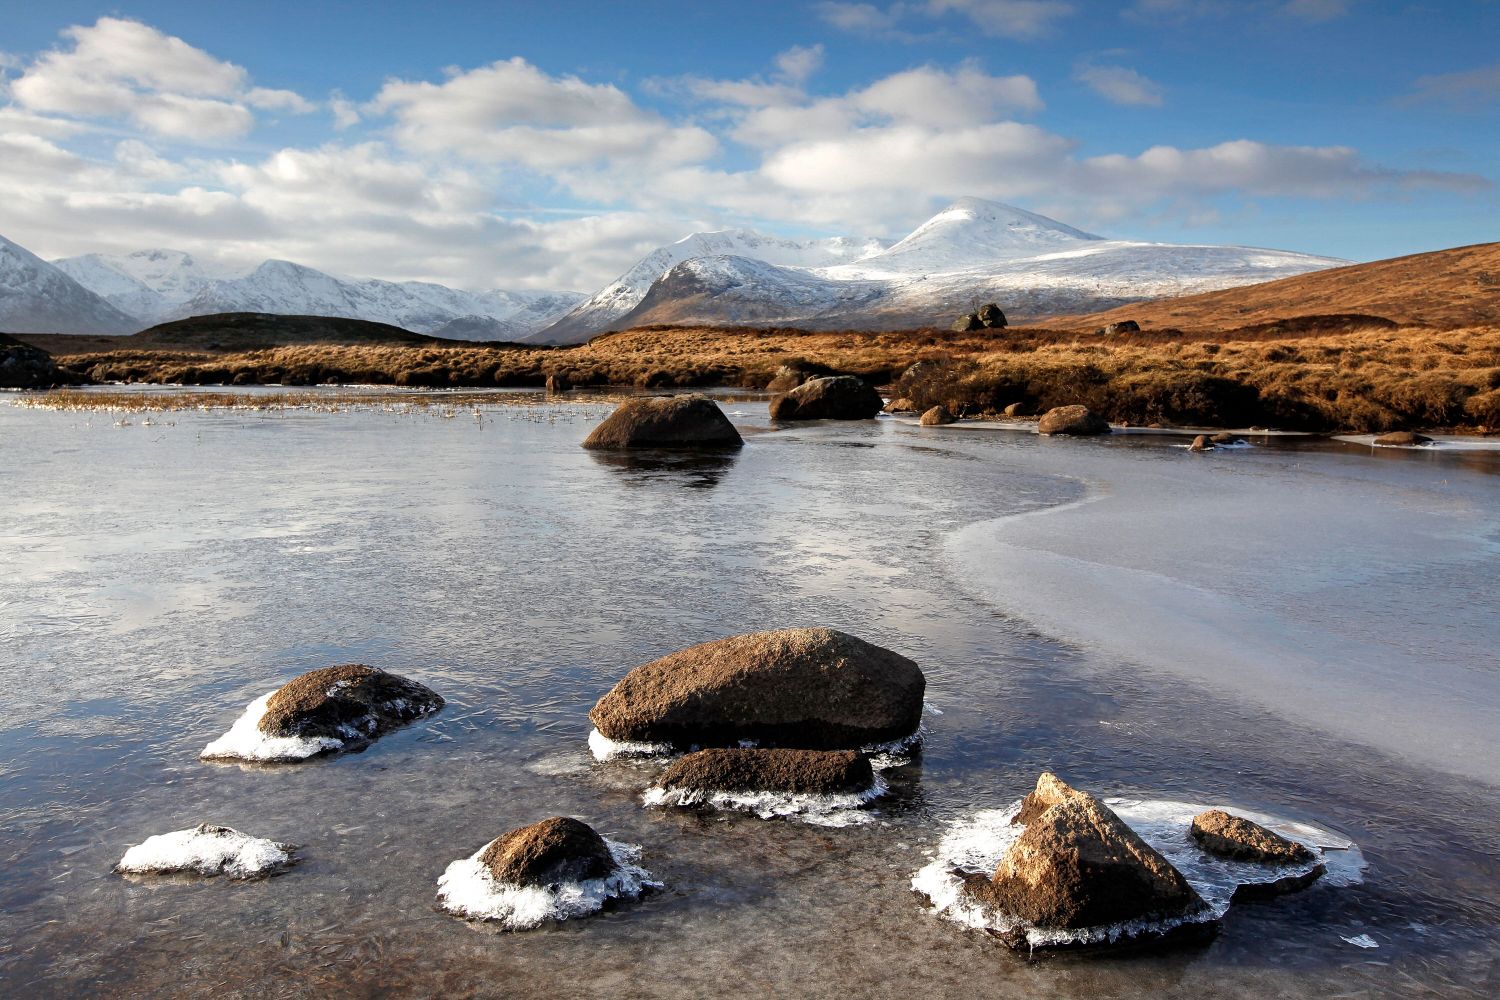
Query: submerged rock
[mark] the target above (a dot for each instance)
(1399, 439)
(207, 850)
(835, 397)
(816, 772)
(812, 688)
(1078, 865)
(1201, 443)
(1229, 836)
(1074, 420)
(937, 416)
(555, 850)
(665, 422)
(335, 708)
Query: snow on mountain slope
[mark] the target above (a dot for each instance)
(157, 286)
(625, 293)
(972, 250)
(36, 297)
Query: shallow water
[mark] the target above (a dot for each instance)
(154, 580)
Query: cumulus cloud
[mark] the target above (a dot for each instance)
(1120, 85)
(124, 69)
(1022, 19)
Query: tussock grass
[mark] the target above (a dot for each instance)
(1289, 376)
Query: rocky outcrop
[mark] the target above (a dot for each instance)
(814, 772)
(546, 853)
(900, 405)
(25, 367)
(937, 416)
(665, 422)
(1402, 439)
(1230, 836)
(346, 702)
(987, 316)
(1201, 443)
(810, 688)
(1072, 420)
(835, 397)
(1017, 410)
(1078, 865)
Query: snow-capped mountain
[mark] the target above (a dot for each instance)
(36, 297)
(605, 307)
(973, 249)
(156, 286)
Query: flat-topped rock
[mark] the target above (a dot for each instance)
(1077, 865)
(815, 772)
(1072, 420)
(834, 397)
(559, 849)
(1402, 439)
(347, 701)
(1229, 836)
(808, 688)
(665, 422)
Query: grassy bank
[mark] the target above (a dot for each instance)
(1302, 377)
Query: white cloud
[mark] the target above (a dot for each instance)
(123, 69)
(1022, 19)
(345, 112)
(1120, 85)
(512, 112)
(1471, 87)
(862, 18)
(799, 62)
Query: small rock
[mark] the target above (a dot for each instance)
(1224, 437)
(1236, 837)
(1017, 410)
(1114, 329)
(1074, 420)
(555, 850)
(344, 702)
(835, 397)
(817, 772)
(1398, 439)
(1201, 443)
(936, 417)
(665, 422)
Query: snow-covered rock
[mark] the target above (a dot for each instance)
(36, 297)
(207, 850)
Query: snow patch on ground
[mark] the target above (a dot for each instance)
(468, 889)
(206, 850)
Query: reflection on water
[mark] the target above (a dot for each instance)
(155, 580)
(691, 469)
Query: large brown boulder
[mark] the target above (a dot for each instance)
(937, 416)
(1201, 443)
(1218, 832)
(822, 772)
(1398, 439)
(1050, 791)
(25, 367)
(347, 702)
(1078, 865)
(990, 316)
(834, 397)
(813, 688)
(665, 422)
(546, 853)
(1075, 420)
(1017, 410)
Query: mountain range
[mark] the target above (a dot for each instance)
(971, 251)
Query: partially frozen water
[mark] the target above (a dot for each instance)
(154, 580)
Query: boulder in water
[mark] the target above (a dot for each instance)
(834, 397)
(555, 850)
(811, 772)
(665, 422)
(1077, 865)
(1201, 443)
(1402, 439)
(1225, 437)
(1073, 420)
(1230, 836)
(811, 688)
(937, 416)
(208, 849)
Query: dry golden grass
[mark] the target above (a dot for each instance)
(1365, 379)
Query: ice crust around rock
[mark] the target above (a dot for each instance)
(817, 810)
(206, 850)
(976, 844)
(245, 741)
(468, 889)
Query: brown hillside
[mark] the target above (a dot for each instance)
(1443, 290)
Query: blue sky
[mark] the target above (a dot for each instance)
(549, 145)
